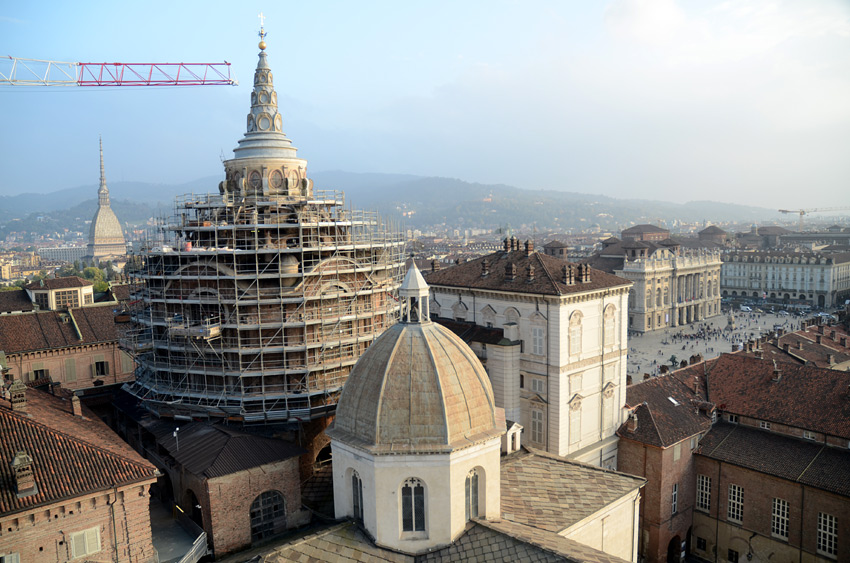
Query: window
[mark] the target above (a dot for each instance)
(413, 506)
(85, 542)
(610, 321)
(268, 515)
(70, 369)
(779, 522)
(537, 426)
(675, 499)
(88, 299)
(732, 556)
(827, 534)
(677, 451)
(101, 369)
(357, 496)
(733, 418)
(537, 340)
(575, 422)
(11, 558)
(735, 511)
(538, 385)
(40, 373)
(472, 495)
(763, 424)
(41, 300)
(809, 435)
(703, 492)
(575, 334)
(694, 442)
(67, 299)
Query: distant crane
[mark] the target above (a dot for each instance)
(805, 211)
(36, 72)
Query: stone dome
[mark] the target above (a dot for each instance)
(417, 389)
(105, 228)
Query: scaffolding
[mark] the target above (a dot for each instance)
(255, 307)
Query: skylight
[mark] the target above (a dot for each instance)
(674, 401)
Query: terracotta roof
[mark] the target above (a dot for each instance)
(417, 388)
(745, 386)
(712, 230)
(14, 301)
(552, 493)
(637, 229)
(660, 421)
(47, 330)
(71, 455)
(215, 450)
(605, 263)
(789, 458)
(547, 275)
(555, 244)
(804, 349)
(59, 283)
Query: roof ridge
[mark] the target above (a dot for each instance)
(817, 455)
(654, 423)
(73, 438)
(548, 274)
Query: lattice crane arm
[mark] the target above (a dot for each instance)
(802, 212)
(16, 71)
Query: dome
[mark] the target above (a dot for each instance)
(417, 389)
(105, 228)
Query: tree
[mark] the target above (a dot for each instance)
(94, 274)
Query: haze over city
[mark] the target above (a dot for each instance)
(729, 101)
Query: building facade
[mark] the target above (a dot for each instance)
(820, 280)
(561, 369)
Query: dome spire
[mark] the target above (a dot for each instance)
(414, 291)
(102, 191)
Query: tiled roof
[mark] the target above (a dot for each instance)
(471, 332)
(660, 421)
(547, 279)
(59, 283)
(47, 330)
(712, 230)
(746, 386)
(804, 349)
(551, 493)
(343, 543)
(782, 456)
(555, 244)
(214, 450)
(638, 229)
(71, 455)
(606, 264)
(15, 300)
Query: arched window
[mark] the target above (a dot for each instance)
(413, 506)
(666, 295)
(459, 311)
(575, 334)
(357, 496)
(610, 320)
(472, 494)
(631, 300)
(511, 315)
(575, 420)
(658, 297)
(648, 298)
(268, 515)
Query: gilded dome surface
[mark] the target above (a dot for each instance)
(418, 388)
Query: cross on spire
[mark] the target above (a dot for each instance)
(262, 33)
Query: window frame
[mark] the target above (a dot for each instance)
(827, 535)
(413, 507)
(735, 507)
(537, 340)
(779, 519)
(703, 493)
(90, 535)
(537, 426)
(674, 500)
(357, 496)
(472, 492)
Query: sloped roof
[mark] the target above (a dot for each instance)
(71, 455)
(639, 229)
(59, 283)
(215, 450)
(789, 458)
(555, 244)
(745, 386)
(46, 329)
(472, 332)
(660, 421)
(552, 493)
(712, 230)
(547, 275)
(15, 300)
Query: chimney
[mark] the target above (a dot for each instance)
(529, 273)
(76, 408)
(584, 273)
(514, 243)
(777, 373)
(24, 478)
(832, 334)
(628, 380)
(696, 384)
(510, 272)
(507, 244)
(843, 341)
(568, 274)
(632, 422)
(18, 396)
(820, 329)
(831, 359)
(485, 268)
(818, 338)
(435, 265)
(799, 345)
(529, 247)
(786, 347)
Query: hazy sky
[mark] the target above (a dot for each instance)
(744, 101)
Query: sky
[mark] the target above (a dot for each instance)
(745, 101)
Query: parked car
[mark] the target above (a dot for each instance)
(746, 309)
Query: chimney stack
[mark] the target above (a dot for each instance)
(485, 268)
(529, 272)
(696, 384)
(831, 359)
(514, 243)
(819, 338)
(786, 347)
(529, 247)
(632, 423)
(584, 273)
(777, 373)
(76, 408)
(435, 265)
(507, 244)
(510, 272)
(18, 396)
(24, 477)
(820, 329)
(568, 274)
(799, 345)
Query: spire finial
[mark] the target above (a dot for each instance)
(103, 191)
(262, 32)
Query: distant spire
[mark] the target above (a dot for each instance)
(103, 191)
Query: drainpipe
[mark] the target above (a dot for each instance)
(717, 510)
(114, 529)
(548, 382)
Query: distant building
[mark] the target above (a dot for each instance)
(557, 249)
(649, 233)
(54, 294)
(560, 368)
(675, 282)
(713, 234)
(70, 489)
(63, 253)
(817, 279)
(106, 238)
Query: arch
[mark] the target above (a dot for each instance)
(575, 334)
(658, 297)
(193, 506)
(459, 311)
(512, 315)
(413, 505)
(268, 515)
(472, 496)
(488, 314)
(356, 496)
(434, 307)
(609, 318)
(674, 550)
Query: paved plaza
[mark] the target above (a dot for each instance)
(709, 337)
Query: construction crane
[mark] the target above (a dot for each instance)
(36, 72)
(805, 211)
